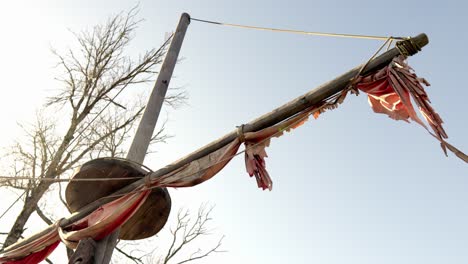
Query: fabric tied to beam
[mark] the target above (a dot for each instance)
(96, 225)
(390, 91)
(208, 166)
(256, 142)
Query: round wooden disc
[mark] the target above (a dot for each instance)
(150, 217)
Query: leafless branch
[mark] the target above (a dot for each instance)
(187, 231)
(176, 98)
(43, 216)
(137, 260)
(199, 255)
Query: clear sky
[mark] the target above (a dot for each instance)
(350, 187)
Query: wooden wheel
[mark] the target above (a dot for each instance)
(150, 217)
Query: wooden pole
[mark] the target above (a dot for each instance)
(84, 253)
(295, 106)
(145, 130)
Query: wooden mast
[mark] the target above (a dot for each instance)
(104, 248)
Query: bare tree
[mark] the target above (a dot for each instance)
(97, 123)
(184, 238)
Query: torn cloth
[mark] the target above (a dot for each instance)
(390, 91)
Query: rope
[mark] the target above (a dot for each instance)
(315, 33)
(389, 41)
(240, 133)
(408, 47)
(64, 179)
(351, 87)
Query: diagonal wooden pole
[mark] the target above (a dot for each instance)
(137, 152)
(145, 130)
(295, 106)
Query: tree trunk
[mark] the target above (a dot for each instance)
(29, 207)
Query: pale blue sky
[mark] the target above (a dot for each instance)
(350, 187)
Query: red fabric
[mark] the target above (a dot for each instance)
(97, 225)
(255, 165)
(105, 219)
(106, 211)
(383, 98)
(256, 142)
(390, 91)
(35, 257)
(126, 214)
(33, 252)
